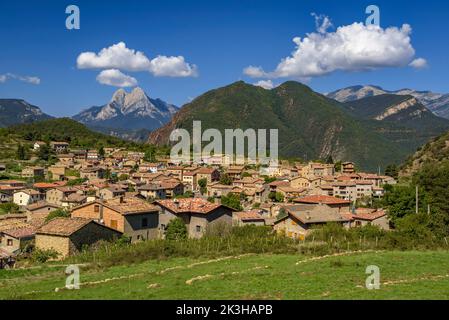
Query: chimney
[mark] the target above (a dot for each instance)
(176, 203)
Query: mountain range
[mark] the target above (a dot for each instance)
(126, 112)
(436, 102)
(369, 126)
(17, 111)
(312, 126)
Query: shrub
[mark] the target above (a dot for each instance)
(59, 213)
(42, 256)
(176, 230)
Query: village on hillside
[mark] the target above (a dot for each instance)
(108, 194)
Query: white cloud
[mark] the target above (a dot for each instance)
(27, 79)
(254, 72)
(114, 77)
(322, 22)
(266, 84)
(354, 47)
(163, 66)
(419, 63)
(119, 57)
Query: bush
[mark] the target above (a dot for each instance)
(8, 208)
(59, 213)
(42, 256)
(176, 230)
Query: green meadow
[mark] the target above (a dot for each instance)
(403, 275)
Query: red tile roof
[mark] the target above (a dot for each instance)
(317, 199)
(189, 205)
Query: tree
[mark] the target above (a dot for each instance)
(276, 197)
(392, 171)
(225, 179)
(21, 152)
(232, 201)
(123, 177)
(203, 185)
(9, 207)
(45, 152)
(101, 152)
(150, 154)
(176, 230)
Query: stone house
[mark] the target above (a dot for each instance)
(68, 236)
(132, 216)
(152, 191)
(345, 190)
(31, 172)
(176, 171)
(299, 219)
(198, 215)
(210, 174)
(340, 204)
(57, 172)
(14, 240)
(111, 192)
(190, 180)
(56, 195)
(366, 216)
(92, 173)
(172, 188)
(38, 212)
(252, 217)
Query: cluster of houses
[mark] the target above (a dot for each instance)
(119, 193)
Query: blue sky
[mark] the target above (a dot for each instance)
(220, 37)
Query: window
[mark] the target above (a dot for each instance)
(114, 224)
(144, 222)
(198, 228)
(96, 208)
(9, 243)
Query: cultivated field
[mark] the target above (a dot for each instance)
(404, 275)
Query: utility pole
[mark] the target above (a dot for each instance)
(417, 200)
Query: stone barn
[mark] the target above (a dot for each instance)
(67, 236)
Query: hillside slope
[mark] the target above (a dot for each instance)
(400, 118)
(311, 126)
(64, 129)
(17, 111)
(436, 151)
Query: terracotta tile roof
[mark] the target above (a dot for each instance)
(19, 233)
(315, 214)
(63, 226)
(317, 199)
(366, 214)
(205, 170)
(252, 215)
(130, 205)
(74, 197)
(48, 185)
(12, 223)
(278, 183)
(189, 205)
(30, 191)
(41, 204)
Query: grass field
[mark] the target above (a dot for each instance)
(403, 275)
